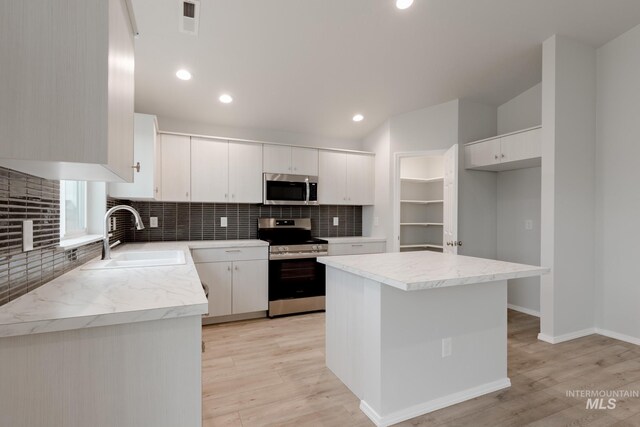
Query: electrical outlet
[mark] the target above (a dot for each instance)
(446, 347)
(153, 222)
(223, 221)
(112, 223)
(528, 224)
(27, 235)
(336, 221)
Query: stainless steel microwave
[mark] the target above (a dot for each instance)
(281, 189)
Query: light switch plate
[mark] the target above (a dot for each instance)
(223, 221)
(27, 235)
(153, 222)
(528, 224)
(336, 221)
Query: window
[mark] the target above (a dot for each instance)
(73, 209)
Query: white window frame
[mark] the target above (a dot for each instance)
(73, 234)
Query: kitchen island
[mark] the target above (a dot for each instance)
(413, 332)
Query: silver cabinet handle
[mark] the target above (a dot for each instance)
(356, 246)
(502, 155)
(156, 190)
(495, 157)
(226, 196)
(136, 167)
(235, 268)
(187, 194)
(231, 251)
(228, 268)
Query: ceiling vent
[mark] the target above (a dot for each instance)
(189, 16)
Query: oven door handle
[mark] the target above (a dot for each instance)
(306, 181)
(285, 257)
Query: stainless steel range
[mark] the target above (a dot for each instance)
(296, 279)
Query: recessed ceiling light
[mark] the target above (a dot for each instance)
(358, 118)
(225, 98)
(403, 4)
(183, 75)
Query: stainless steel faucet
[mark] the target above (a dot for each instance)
(106, 248)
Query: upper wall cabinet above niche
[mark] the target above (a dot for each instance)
(67, 88)
(515, 150)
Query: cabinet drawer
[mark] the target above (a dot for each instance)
(230, 254)
(356, 248)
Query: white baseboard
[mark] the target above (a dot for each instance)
(566, 337)
(431, 405)
(524, 310)
(618, 336)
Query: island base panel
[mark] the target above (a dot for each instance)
(130, 375)
(386, 344)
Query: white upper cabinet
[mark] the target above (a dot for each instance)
(146, 151)
(332, 178)
(176, 168)
(277, 159)
(290, 160)
(209, 170)
(346, 178)
(304, 161)
(360, 179)
(512, 151)
(245, 172)
(67, 86)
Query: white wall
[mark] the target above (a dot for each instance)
(518, 196)
(476, 189)
(430, 128)
(377, 219)
(567, 303)
(522, 112)
(168, 124)
(617, 193)
(519, 201)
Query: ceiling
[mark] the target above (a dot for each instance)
(309, 65)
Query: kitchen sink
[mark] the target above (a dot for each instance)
(138, 259)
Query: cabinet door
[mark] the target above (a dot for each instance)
(157, 172)
(144, 152)
(482, 154)
(360, 179)
(218, 276)
(209, 170)
(176, 165)
(304, 161)
(245, 172)
(521, 146)
(332, 178)
(277, 159)
(250, 286)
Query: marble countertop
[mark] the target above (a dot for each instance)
(412, 271)
(355, 239)
(87, 298)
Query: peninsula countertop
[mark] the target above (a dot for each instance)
(413, 271)
(85, 298)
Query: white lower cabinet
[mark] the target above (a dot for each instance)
(250, 286)
(237, 279)
(357, 248)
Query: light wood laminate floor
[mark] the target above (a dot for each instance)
(272, 372)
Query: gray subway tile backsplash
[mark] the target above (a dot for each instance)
(201, 221)
(25, 197)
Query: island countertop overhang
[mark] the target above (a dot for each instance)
(413, 271)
